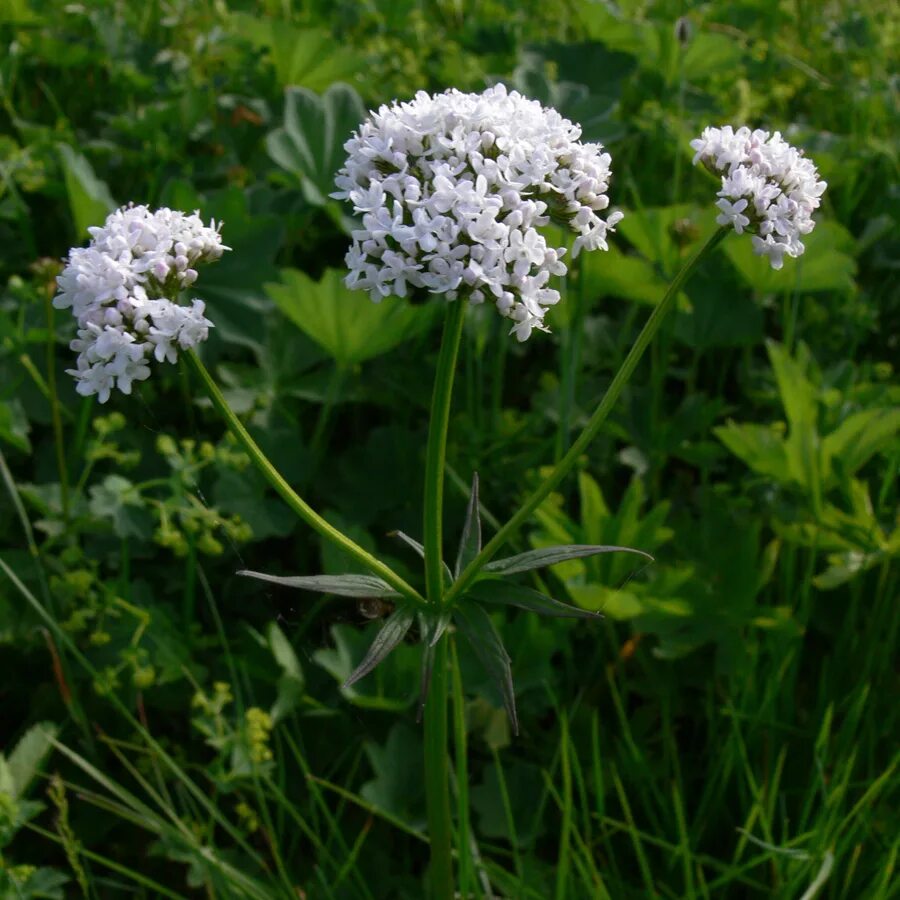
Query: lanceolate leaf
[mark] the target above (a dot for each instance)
(412, 542)
(548, 556)
(496, 590)
(391, 634)
(470, 542)
(476, 627)
(340, 585)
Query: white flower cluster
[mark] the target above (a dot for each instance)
(769, 187)
(123, 290)
(453, 188)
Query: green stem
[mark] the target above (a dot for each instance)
(437, 793)
(289, 495)
(437, 449)
(53, 397)
(567, 463)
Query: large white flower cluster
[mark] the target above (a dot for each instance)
(123, 290)
(769, 188)
(452, 189)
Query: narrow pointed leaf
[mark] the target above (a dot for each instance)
(340, 585)
(476, 627)
(389, 636)
(548, 556)
(500, 592)
(470, 542)
(412, 542)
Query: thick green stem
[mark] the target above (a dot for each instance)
(437, 793)
(567, 463)
(437, 450)
(290, 496)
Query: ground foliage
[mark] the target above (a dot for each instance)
(170, 729)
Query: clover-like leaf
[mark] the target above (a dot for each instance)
(476, 627)
(340, 585)
(548, 556)
(501, 592)
(470, 541)
(389, 636)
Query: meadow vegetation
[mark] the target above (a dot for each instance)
(728, 729)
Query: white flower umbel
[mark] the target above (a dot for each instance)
(453, 189)
(123, 291)
(769, 188)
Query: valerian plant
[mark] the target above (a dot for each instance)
(453, 191)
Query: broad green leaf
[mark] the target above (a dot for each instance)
(798, 394)
(653, 234)
(311, 142)
(119, 501)
(346, 323)
(496, 590)
(827, 264)
(89, 198)
(860, 436)
(14, 425)
(476, 627)
(548, 556)
(391, 634)
(28, 754)
(339, 585)
(759, 446)
(398, 782)
(283, 652)
(301, 56)
(470, 540)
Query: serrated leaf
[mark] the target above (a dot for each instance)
(476, 627)
(25, 760)
(344, 322)
(339, 585)
(389, 636)
(548, 556)
(311, 143)
(495, 590)
(470, 541)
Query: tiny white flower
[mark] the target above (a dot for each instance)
(121, 291)
(732, 214)
(452, 189)
(768, 188)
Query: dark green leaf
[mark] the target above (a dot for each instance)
(495, 590)
(89, 198)
(340, 585)
(390, 635)
(311, 143)
(476, 627)
(470, 541)
(548, 556)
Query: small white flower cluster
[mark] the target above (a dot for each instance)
(769, 187)
(453, 188)
(123, 290)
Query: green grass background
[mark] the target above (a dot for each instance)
(728, 730)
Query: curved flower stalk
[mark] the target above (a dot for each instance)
(123, 291)
(769, 188)
(453, 189)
